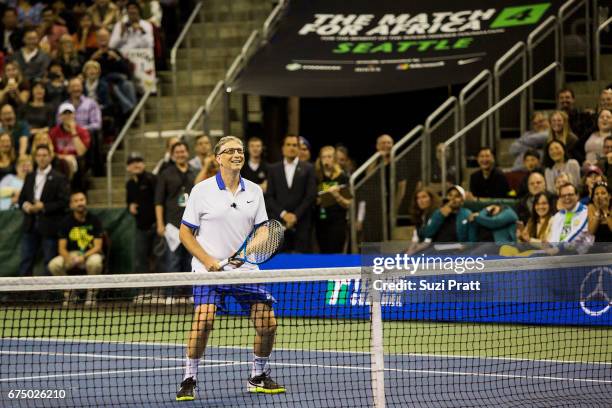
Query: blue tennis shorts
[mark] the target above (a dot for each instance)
(245, 295)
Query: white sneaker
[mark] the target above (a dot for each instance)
(170, 301)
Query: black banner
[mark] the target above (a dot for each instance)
(364, 47)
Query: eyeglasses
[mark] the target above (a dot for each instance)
(568, 195)
(231, 151)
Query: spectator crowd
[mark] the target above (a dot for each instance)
(67, 81)
(66, 86)
(556, 192)
(552, 194)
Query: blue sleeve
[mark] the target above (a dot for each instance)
(472, 232)
(529, 140)
(536, 140)
(433, 225)
(104, 94)
(505, 217)
(517, 147)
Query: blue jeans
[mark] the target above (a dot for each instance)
(30, 245)
(124, 90)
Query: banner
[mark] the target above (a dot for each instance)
(144, 67)
(325, 48)
(557, 295)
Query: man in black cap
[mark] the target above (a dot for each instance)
(140, 199)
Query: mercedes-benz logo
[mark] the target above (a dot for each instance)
(594, 291)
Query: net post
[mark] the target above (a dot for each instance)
(377, 352)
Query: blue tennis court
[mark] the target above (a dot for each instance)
(101, 373)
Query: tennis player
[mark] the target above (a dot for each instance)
(220, 213)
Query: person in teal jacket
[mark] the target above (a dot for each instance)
(500, 221)
(451, 222)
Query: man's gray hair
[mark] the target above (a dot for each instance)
(224, 140)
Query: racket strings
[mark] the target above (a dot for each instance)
(264, 243)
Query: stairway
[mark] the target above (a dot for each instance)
(587, 92)
(587, 97)
(217, 36)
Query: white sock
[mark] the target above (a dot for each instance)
(191, 368)
(259, 365)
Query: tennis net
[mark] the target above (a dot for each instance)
(535, 334)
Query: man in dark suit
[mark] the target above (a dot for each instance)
(43, 200)
(291, 194)
(11, 36)
(489, 181)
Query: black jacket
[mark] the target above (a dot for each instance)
(55, 196)
(16, 40)
(299, 199)
(142, 192)
(496, 186)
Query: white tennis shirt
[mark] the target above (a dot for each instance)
(222, 220)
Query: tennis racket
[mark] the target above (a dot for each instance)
(264, 241)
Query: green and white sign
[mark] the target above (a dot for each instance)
(363, 47)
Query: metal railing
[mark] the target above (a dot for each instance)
(567, 10)
(224, 87)
(241, 59)
(403, 146)
(273, 18)
(354, 185)
(517, 53)
(208, 106)
(555, 66)
(122, 135)
(600, 28)
(536, 37)
(449, 108)
(195, 118)
(185, 33)
(483, 81)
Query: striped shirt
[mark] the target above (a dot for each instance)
(87, 115)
